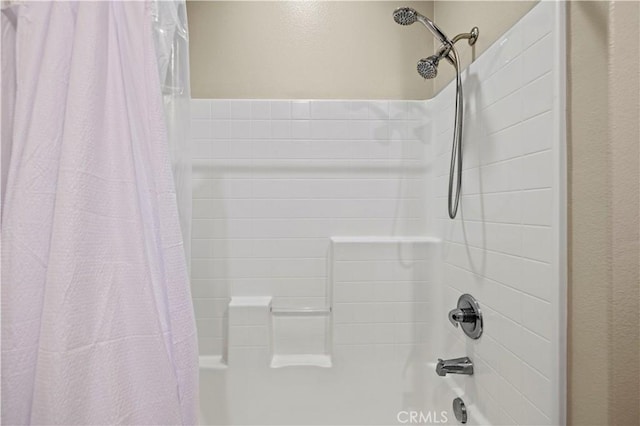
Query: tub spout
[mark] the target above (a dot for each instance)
(454, 366)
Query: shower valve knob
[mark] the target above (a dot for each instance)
(468, 316)
(457, 316)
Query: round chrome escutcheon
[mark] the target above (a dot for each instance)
(472, 329)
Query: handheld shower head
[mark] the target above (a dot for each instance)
(428, 67)
(407, 16)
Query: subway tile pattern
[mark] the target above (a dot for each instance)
(383, 299)
(274, 179)
(504, 246)
(247, 343)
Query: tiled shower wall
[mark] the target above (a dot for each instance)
(505, 247)
(274, 180)
(383, 300)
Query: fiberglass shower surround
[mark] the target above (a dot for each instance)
(325, 263)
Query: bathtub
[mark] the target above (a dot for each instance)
(367, 395)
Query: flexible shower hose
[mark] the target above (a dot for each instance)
(456, 147)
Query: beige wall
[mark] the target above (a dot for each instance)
(604, 183)
(624, 145)
(589, 213)
(298, 50)
(330, 49)
(493, 18)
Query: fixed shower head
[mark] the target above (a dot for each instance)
(428, 67)
(407, 16)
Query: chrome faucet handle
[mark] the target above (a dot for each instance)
(458, 315)
(454, 317)
(467, 314)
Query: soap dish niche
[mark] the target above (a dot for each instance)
(300, 337)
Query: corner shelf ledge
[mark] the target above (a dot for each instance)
(322, 361)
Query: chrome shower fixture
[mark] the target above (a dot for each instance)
(428, 68)
(407, 16)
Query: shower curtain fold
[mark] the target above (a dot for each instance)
(97, 319)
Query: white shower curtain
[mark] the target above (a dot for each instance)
(97, 320)
(171, 35)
